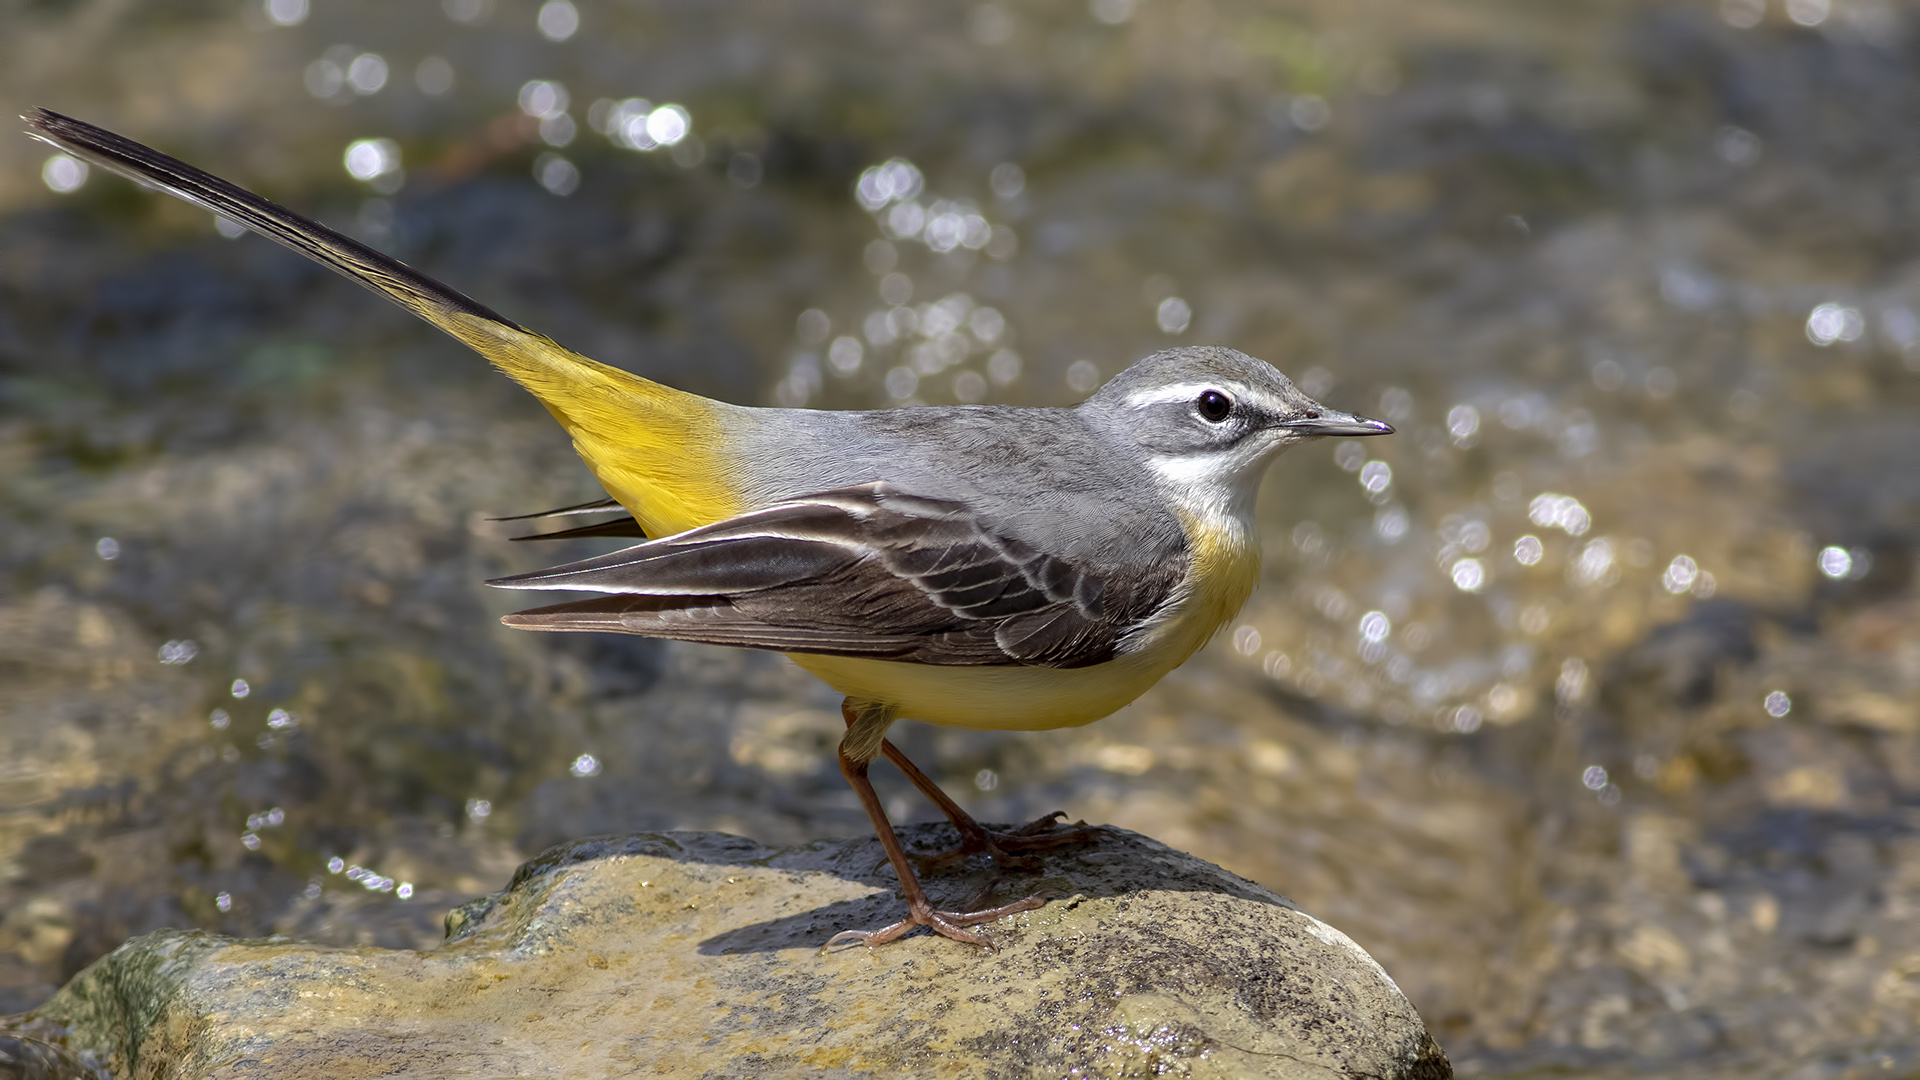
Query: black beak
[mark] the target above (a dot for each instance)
(1325, 421)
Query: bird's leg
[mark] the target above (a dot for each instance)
(974, 837)
(866, 726)
(1039, 835)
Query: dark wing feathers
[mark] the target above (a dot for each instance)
(597, 506)
(710, 566)
(622, 527)
(863, 571)
(707, 619)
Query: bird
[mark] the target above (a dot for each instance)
(984, 566)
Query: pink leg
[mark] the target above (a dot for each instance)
(920, 911)
(1039, 835)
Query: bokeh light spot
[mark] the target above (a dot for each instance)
(1563, 512)
(896, 180)
(1527, 550)
(556, 174)
(1173, 315)
(1736, 146)
(1835, 562)
(467, 11)
(63, 173)
(1246, 640)
(367, 73)
(1463, 423)
(1681, 573)
(669, 124)
(369, 159)
(175, 653)
(1007, 180)
(1829, 323)
(558, 20)
(901, 383)
(1468, 575)
(1003, 367)
(541, 98)
(1809, 12)
(434, 76)
(286, 12)
(1390, 523)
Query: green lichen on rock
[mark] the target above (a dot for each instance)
(698, 954)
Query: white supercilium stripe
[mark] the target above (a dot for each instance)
(1185, 391)
(1188, 391)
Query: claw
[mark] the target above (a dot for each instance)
(1040, 823)
(870, 938)
(948, 924)
(1001, 847)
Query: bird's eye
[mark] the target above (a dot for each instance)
(1214, 405)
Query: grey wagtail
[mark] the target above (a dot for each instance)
(982, 566)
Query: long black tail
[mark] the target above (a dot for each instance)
(404, 285)
(648, 444)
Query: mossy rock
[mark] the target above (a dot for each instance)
(699, 954)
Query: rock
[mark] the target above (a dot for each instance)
(693, 954)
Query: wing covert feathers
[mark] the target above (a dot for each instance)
(866, 571)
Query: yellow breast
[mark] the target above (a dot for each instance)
(1226, 567)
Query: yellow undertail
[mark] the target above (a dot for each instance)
(660, 452)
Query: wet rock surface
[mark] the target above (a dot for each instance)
(695, 954)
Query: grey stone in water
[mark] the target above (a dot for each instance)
(698, 954)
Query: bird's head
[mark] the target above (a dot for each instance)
(1208, 420)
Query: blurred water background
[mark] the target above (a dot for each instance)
(1589, 703)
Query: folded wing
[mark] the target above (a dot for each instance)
(867, 571)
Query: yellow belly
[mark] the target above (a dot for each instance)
(1226, 568)
(991, 698)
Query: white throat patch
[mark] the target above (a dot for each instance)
(1209, 487)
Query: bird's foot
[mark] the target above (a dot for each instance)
(949, 924)
(1043, 834)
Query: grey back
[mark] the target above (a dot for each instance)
(1045, 477)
